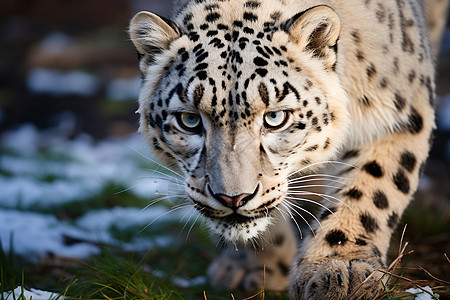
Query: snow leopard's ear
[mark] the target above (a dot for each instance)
(316, 29)
(151, 34)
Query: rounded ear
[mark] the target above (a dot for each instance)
(151, 33)
(316, 29)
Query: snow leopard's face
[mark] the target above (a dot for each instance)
(240, 103)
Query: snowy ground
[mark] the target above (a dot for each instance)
(44, 171)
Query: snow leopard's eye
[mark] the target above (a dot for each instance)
(189, 121)
(276, 119)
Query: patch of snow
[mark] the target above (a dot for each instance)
(121, 89)
(62, 83)
(121, 218)
(180, 281)
(420, 294)
(45, 169)
(23, 140)
(38, 234)
(57, 42)
(27, 193)
(31, 294)
(85, 169)
(188, 282)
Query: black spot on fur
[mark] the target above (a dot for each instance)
(202, 75)
(248, 30)
(248, 16)
(238, 24)
(356, 36)
(283, 268)
(399, 102)
(360, 242)
(364, 100)
(354, 193)
(414, 124)
(368, 222)
(260, 62)
(380, 200)
(326, 144)
(312, 148)
(401, 181)
(411, 76)
(279, 239)
(211, 17)
(374, 169)
(198, 94)
(264, 93)
(287, 89)
(359, 55)
(336, 237)
(350, 154)
(408, 161)
(252, 4)
(201, 57)
(393, 220)
(261, 72)
(371, 71)
(376, 251)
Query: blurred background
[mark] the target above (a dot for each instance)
(74, 175)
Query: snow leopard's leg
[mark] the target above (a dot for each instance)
(352, 243)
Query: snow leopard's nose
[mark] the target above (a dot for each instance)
(233, 201)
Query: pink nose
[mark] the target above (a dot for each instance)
(232, 201)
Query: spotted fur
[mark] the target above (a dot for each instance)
(279, 87)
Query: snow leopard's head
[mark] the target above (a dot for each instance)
(240, 101)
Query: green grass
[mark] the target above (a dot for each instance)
(113, 278)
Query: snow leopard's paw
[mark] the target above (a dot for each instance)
(336, 279)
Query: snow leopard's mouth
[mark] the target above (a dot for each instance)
(236, 216)
(239, 225)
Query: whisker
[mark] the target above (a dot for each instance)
(325, 197)
(317, 175)
(154, 161)
(292, 218)
(160, 216)
(308, 212)
(312, 201)
(323, 162)
(281, 212)
(184, 216)
(297, 180)
(165, 177)
(161, 198)
(301, 216)
(314, 185)
(192, 226)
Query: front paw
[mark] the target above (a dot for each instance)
(246, 270)
(336, 279)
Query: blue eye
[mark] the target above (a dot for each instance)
(275, 119)
(189, 121)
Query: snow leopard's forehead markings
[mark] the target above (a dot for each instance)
(212, 69)
(218, 41)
